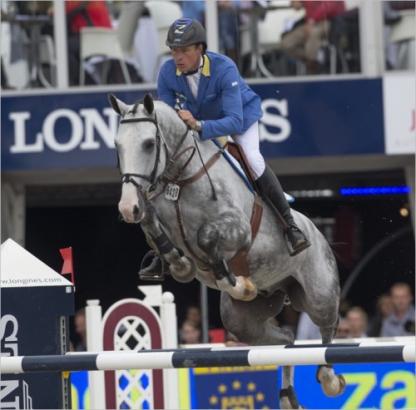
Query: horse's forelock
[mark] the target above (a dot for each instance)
(135, 105)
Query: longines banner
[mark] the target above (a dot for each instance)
(72, 130)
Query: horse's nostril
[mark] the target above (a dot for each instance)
(135, 210)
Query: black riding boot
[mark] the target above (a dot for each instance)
(272, 193)
(155, 271)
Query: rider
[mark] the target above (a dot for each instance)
(214, 100)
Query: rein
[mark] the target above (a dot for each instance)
(169, 175)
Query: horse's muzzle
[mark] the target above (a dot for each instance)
(132, 205)
(131, 214)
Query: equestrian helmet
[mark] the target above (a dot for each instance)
(185, 32)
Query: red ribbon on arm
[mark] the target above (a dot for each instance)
(68, 265)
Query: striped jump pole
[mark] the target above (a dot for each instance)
(214, 357)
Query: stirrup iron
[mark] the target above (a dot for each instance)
(158, 274)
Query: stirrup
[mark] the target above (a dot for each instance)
(293, 251)
(149, 272)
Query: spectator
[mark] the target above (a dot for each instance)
(228, 27)
(195, 10)
(82, 14)
(357, 320)
(344, 307)
(401, 322)
(392, 17)
(80, 344)
(384, 307)
(307, 330)
(193, 315)
(304, 40)
(189, 333)
(343, 329)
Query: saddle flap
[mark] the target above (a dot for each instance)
(237, 152)
(239, 263)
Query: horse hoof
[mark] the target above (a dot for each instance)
(244, 288)
(333, 385)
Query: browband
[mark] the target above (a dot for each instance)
(145, 119)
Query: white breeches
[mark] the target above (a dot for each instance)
(250, 143)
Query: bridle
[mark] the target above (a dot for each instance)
(152, 178)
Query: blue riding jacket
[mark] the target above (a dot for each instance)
(225, 104)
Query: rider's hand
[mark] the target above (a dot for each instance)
(187, 117)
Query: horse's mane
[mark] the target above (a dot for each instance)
(162, 106)
(166, 112)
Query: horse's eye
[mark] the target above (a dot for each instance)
(148, 145)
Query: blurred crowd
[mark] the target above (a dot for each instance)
(106, 39)
(393, 315)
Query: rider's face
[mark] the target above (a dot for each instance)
(187, 58)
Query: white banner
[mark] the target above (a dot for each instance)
(399, 113)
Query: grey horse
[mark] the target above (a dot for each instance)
(199, 226)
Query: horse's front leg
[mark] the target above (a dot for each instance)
(220, 240)
(180, 266)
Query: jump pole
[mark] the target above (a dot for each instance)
(291, 355)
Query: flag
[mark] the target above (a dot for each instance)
(68, 265)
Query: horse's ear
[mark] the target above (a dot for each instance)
(148, 103)
(118, 106)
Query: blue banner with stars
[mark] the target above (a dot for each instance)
(234, 388)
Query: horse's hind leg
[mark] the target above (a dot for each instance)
(253, 323)
(332, 384)
(322, 306)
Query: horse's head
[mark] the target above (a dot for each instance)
(142, 151)
(139, 147)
